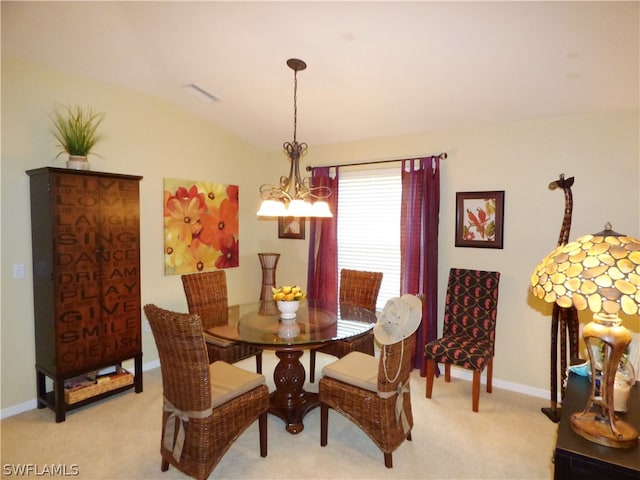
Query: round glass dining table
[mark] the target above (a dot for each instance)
(315, 325)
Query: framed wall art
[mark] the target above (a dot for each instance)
(201, 226)
(291, 227)
(480, 219)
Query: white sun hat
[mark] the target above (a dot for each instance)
(399, 319)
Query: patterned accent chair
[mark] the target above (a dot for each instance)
(468, 339)
(360, 289)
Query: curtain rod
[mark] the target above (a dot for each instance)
(442, 156)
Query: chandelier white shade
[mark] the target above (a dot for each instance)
(296, 208)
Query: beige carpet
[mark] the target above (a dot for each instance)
(119, 438)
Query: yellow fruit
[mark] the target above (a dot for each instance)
(288, 293)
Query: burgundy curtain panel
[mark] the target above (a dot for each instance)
(419, 244)
(322, 275)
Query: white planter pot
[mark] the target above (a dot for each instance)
(77, 162)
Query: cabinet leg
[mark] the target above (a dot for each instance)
(60, 406)
(41, 389)
(138, 373)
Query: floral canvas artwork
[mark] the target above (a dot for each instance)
(201, 226)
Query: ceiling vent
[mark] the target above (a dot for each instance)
(202, 93)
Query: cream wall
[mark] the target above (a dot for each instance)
(147, 137)
(600, 150)
(143, 136)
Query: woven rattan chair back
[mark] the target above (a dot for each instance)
(395, 364)
(183, 358)
(375, 412)
(358, 288)
(206, 294)
(195, 435)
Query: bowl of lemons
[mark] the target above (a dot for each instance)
(288, 300)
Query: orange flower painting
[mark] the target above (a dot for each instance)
(200, 226)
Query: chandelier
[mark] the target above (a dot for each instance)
(294, 196)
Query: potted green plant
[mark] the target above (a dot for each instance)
(75, 129)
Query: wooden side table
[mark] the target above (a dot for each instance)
(576, 458)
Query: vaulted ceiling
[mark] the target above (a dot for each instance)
(375, 69)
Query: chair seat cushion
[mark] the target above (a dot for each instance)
(217, 341)
(462, 350)
(228, 382)
(357, 369)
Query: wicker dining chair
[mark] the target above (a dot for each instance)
(360, 289)
(365, 389)
(205, 406)
(469, 329)
(207, 296)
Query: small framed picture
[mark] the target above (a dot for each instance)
(291, 227)
(479, 219)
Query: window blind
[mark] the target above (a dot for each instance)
(369, 225)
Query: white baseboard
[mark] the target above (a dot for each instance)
(513, 387)
(16, 409)
(32, 404)
(455, 372)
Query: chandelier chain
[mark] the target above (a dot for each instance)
(295, 105)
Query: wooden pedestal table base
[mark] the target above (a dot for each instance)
(259, 324)
(290, 401)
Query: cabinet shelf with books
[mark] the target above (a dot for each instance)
(92, 384)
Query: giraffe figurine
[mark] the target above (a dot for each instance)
(563, 319)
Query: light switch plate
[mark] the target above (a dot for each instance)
(18, 270)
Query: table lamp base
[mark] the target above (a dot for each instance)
(595, 428)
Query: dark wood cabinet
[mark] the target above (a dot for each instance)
(85, 230)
